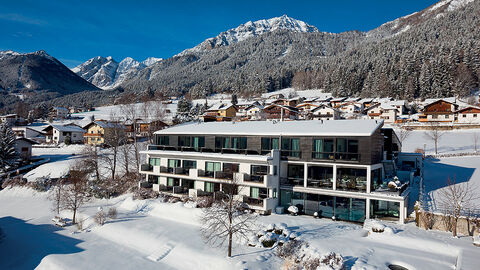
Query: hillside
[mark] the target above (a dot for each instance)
(435, 52)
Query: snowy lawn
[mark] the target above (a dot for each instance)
(148, 234)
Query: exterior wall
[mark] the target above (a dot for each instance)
(24, 148)
(94, 135)
(469, 116)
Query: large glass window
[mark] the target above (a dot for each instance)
(291, 147)
(154, 161)
(323, 149)
(341, 148)
(162, 140)
(212, 187)
(189, 164)
(233, 143)
(174, 163)
(352, 179)
(212, 167)
(257, 173)
(196, 142)
(320, 177)
(296, 174)
(231, 167)
(269, 144)
(377, 181)
(384, 209)
(173, 182)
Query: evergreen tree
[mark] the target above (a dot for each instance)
(8, 154)
(234, 99)
(184, 106)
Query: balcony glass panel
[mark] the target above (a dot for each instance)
(320, 177)
(189, 164)
(352, 179)
(384, 209)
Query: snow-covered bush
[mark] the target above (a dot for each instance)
(145, 193)
(332, 261)
(270, 227)
(289, 249)
(112, 212)
(374, 226)
(17, 181)
(79, 224)
(204, 202)
(268, 240)
(293, 210)
(100, 217)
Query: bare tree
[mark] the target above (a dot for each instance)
(126, 150)
(404, 133)
(456, 200)
(132, 116)
(434, 133)
(91, 160)
(56, 196)
(475, 139)
(114, 137)
(226, 218)
(75, 191)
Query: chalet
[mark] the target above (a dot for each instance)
(59, 112)
(58, 133)
(439, 111)
(337, 101)
(23, 146)
(468, 115)
(274, 111)
(142, 128)
(29, 133)
(350, 107)
(96, 130)
(12, 119)
(382, 111)
(220, 112)
(325, 112)
(254, 111)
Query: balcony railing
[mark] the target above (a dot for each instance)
(146, 167)
(292, 181)
(253, 201)
(326, 183)
(256, 179)
(204, 149)
(291, 154)
(336, 156)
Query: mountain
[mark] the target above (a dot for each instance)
(402, 24)
(431, 53)
(38, 71)
(106, 73)
(252, 29)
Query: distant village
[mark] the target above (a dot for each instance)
(276, 106)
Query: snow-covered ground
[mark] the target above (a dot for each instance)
(148, 234)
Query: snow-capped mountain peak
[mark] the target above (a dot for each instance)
(251, 29)
(106, 73)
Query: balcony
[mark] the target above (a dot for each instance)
(292, 181)
(291, 154)
(336, 156)
(146, 168)
(320, 183)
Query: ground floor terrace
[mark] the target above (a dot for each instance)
(345, 207)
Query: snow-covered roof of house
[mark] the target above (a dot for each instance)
(66, 128)
(339, 99)
(285, 128)
(254, 105)
(105, 124)
(433, 100)
(220, 106)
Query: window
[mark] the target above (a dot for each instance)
(211, 168)
(154, 161)
(230, 167)
(269, 144)
(447, 116)
(163, 140)
(211, 187)
(258, 193)
(259, 170)
(173, 182)
(189, 164)
(194, 142)
(291, 147)
(274, 193)
(474, 115)
(231, 143)
(173, 163)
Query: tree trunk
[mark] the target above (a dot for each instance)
(74, 215)
(230, 244)
(454, 229)
(436, 147)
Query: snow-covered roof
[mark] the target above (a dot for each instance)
(220, 106)
(105, 124)
(286, 128)
(66, 128)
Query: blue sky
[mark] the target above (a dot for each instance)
(74, 31)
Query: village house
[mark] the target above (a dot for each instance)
(469, 115)
(23, 146)
(220, 112)
(335, 102)
(325, 112)
(255, 111)
(96, 130)
(59, 112)
(382, 111)
(12, 119)
(280, 112)
(141, 128)
(28, 133)
(439, 111)
(58, 133)
(351, 107)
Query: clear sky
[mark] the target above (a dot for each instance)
(74, 31)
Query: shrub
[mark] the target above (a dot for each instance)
(290, 249)
(205, 202)
(333, 260)
(144, 193)
(268, 243)
(112, 212)
(100, 217)
(17, 181)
